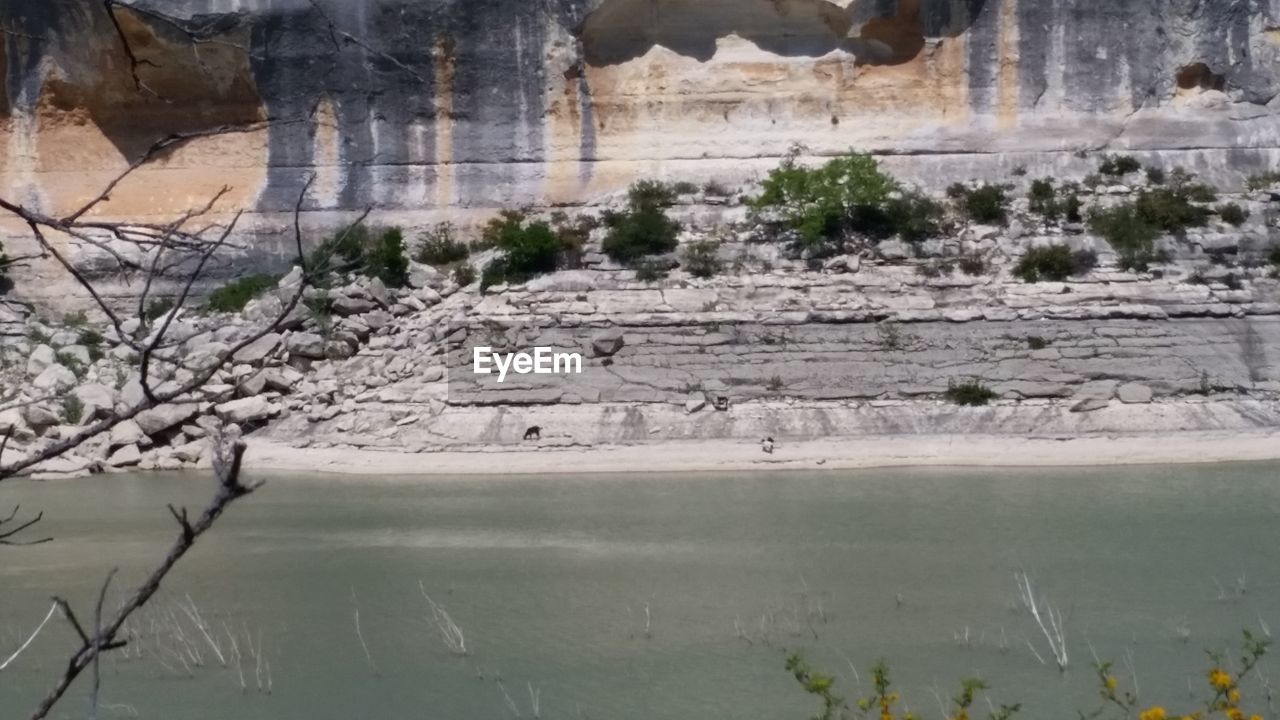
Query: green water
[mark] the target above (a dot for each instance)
(549, 579)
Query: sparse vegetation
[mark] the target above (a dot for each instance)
(644, 228)
(77, 319)
(1273, 258)
(1036, 343)
(715, 188)
(375, 252)
(233, 296)
(71, 362)
(1132, 237)
(527, 249)
(775, 384)
(72, 409)
(969, 393)
(1118, 165)
(1054, 263)
(1263, 180)
(986, 203)
(1233, 214)
(92, 340)
(464, 274)
(648, 270)
(439, 247)
(701, 259)
(1043, 199)
(158, 308)
(973, 265)
(1155, 175)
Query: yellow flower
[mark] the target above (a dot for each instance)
(1255, 717)
(1235, 714)
(1111, 682)
(1153, 713)
(1233, 696)
(1220, 680)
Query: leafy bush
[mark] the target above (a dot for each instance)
(644, 228)
(1155, 175)
(1233, 214)
(1170, 209)
(1273, 258)
(701, 259)
(439, 247)
(1036, 342)
(1128, 233)
(377, 252)
(1092, 181)
(1043, 199)
(526, 250)
(649, 271)
(464, 274)
(970, 393)
(986, 203)
(1071, 207)
(92, 340)
(1118, 165)
(75, 319)
(1263, 180)
(822, 202)
(912, 216)
(71, 362)
(72, 409)
(715, 188)
(158, 308)
(1055, 263)
(233, 296)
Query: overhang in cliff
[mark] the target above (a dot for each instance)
(875, 32)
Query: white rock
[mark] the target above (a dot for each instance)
(695, 402)
(162, 418)
(41, 358)
(125, 457)
(55, 378)
(258, 350)
(1134, 393)
(126, 433)
(250, 409)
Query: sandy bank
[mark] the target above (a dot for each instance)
(825, 453)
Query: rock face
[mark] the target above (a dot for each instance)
(433, 106)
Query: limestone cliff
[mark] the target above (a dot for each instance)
(420, 106)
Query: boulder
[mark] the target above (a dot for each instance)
(307, 345)
(378, 292)
(695, 402)
(40, 359)
(250, 409)
(158, 419)
(78, 353)
(54, 378)
(421, 276)
(39, 415)
(127, 433)
(281, 379)
(1134, 393)
(99, 400)
(189, 452)
(607, 343)
(127, 456)
(344, 305)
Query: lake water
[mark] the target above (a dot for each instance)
(648, 596)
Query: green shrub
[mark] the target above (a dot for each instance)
(912, 216)
(644, 228)
(233, 296)
(701, 259)
(1118, 165)
(1263, 180)
(970, 392)
(1273, 258)
(1092, 181)
(986, 204)
(1155, 175)
(684, 188)
(1071, 207)
(1170, 209)
(71, 362)
(464, 274)
(72, 409)
(715, 188)
(158, 308)
(1128, 233)
(376, 252)
(92, 340)
(75, 319)
(439, 247)
(822, 202)
(1233, 214)
(1054, 263)
(1020, 171)
(648, 270)
(1035, 342)
(1043, 199)
(526, 250)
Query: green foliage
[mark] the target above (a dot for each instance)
(684, 188)
(1054, 263)
(1118, 165)
(233, 296)
(817, 684)
(912, 216)
(648, 270)
(972, 265)
(71, 362)
(1263, 180)
(75, 319)
(1233, 214)
(986, 203)
(970, 392)
(1071, 208)
(701, 259)
(464, 274)
(439, 247)
(376, 252)
(715, 188)
(72, 409)
(38, 336)
(92, 340)
(1131, 236)
(1036, 343)
(1170, 209)
(644, 228)
(1043, 199)
(1155, 175)
(1092, 181)
(821, 203)
(1020, 171)
(158, 308)
(527, 249)
(775, 384)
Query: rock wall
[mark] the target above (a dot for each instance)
(427, 109)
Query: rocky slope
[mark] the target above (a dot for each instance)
(422, 108)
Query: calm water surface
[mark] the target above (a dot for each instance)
(646, 597)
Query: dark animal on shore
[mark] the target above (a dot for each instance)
(534, 433)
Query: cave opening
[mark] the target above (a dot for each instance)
(1199, 76)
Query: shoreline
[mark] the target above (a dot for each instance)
(828, 453)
